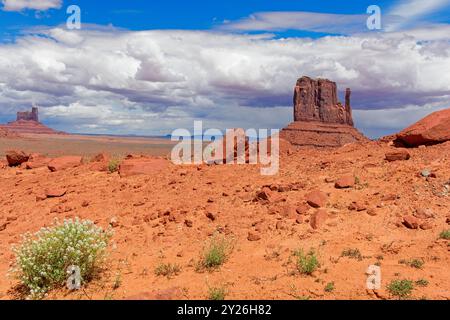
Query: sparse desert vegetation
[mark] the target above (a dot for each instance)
(42, 259)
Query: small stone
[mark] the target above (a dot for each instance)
(114, 222)
(345, 182)
(211, 216)
(318, 219)
(302, 208)
(85, 204)
(188, 223)
(426, 226)
(372, 212)
(411, 222)
(400, 155)
(316, 199)
(253, 236)
(55, 192)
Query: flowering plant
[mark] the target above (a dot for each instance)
(42, 259)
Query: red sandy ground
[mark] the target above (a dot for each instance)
(151, 212)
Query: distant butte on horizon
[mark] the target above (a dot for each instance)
(28, 122)
(320, 120)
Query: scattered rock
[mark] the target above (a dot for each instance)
(411, 222)
(16, 158)
(318, 219)
(372, 212)
(426, 226)
(211, 216)
(357, 206)
(114, 222)
(401, 155)
(188, 223)
(302, 208)
(316, 199)
(85, 204)
(63, 163)
(423, 213)
(345, 182)
(55, 192)
(253, 236)
(36, 161)
(268, 196)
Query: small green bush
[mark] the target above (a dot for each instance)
(306, 263)
(422, 282)
(113, 165)
(217, 293)
(413, 263)
(445, 235)
(215, 253)
(329, 287)
(401, 288)
(167, 270)
(42, 259)
(352, 253)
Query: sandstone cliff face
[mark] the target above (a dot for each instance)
(320, 120)
(316, 100)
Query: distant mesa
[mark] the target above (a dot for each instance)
(320, 120)
(28, 122)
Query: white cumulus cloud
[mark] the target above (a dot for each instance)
(149, 82)
(41, 5)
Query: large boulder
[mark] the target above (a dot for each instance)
(133, 166)
(16, 158)
(432, 129)
(63, 163)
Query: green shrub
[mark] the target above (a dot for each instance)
(113, 165)
(445, 235)
(329, 287)
(217, 293)
(401, 288)
(422, 282)
(215, 253)
(42, 259)
(167, 270)
(306, 263)
(352, 253)
(413, 263)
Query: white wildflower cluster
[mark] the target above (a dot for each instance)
(42, 258)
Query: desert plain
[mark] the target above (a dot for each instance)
(353, 205)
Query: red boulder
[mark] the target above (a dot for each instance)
(432, 129)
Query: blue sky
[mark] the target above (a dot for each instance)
(147, 67)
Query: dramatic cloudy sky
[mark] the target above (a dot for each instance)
(147, 67)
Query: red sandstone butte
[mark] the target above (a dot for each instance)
(27, 122)
(431, 130)
(319, 119)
